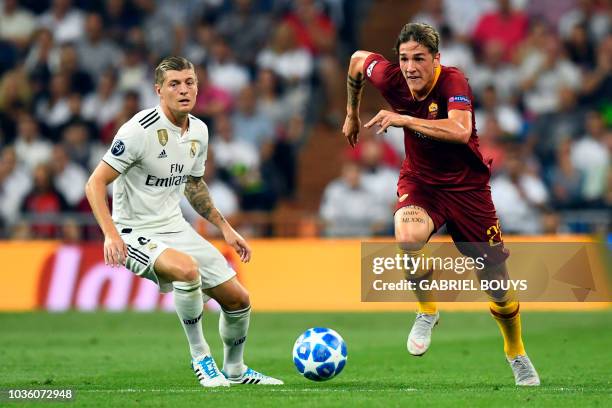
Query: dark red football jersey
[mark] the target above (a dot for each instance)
(444, 165)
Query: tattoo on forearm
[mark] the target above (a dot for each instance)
(354, 87)
(199, 197)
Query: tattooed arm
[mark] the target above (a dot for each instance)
(354, 88)
(199, 197)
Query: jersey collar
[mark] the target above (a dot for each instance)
(172, 126)
(437, 72)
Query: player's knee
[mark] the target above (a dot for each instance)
(238, 301)
(410, 240)
(188, 271)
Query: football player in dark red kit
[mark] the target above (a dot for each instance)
(444, 178)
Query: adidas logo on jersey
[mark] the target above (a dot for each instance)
(162, 155)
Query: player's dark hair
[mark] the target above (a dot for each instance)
(421, 33)
(170, 64)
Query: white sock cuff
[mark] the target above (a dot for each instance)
(187, 286)
(237, 313)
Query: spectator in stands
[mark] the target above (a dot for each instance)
(65, 22)
(42, 55)
(76, 140)
(232, 155)
(68, 177)
(595, 14)
(211, 100)
(43, 204)
(551, 129)
(519, 196)
(239, 165)
(270, 100)
(544, 73)
(96, 53)
(456, 51)
(508, 117)
(292, 64)
(565, 180)
(119, 16)
(105, 103)
(316, 32)
(130, 106)
(30, 147)
(348, 208)
(505, 26)
(492, 70)
(249, 124)
(53, 110)
(379, 178)
(432, 13)
(17, 24)
(245, 29)
(15, 97)
(493, 143)
(223, 69)
(389, 156)
(580, 49)
(15, 183)
(462, 16)
(79, 80)
(591, 156)
(597, 84)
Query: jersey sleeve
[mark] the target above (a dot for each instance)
(200, 163)
(457, 92)
(127, 148)
(377, 70)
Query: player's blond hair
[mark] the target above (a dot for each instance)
(421, 33)
(170, 64)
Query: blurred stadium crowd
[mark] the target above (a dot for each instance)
(71, 72)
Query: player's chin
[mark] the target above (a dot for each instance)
(185, 106)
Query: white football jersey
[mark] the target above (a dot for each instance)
(154, 161)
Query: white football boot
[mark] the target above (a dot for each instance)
(524, 372)
(419, 338)
(208, 373)
(251, 376)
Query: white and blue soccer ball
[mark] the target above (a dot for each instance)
(319, 354)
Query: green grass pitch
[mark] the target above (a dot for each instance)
(134, 359)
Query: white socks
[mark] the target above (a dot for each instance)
(233, 327)
(189, 307)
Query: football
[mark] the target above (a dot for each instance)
(319, 354)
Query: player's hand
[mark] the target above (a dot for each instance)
(350, 129)
(115, 250)
(239, 244)
(386, 118)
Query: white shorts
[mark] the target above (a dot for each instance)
(145, 247)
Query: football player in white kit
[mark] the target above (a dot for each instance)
(157, 156)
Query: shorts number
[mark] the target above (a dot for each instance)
(495, 234)
(143, 240)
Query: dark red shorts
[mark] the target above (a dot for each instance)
(469, 217)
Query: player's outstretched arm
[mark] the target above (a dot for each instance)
(354, 88)
(199, 197)
(457, 128)
(115, 250)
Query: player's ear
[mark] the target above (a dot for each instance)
(436, 58)
(157, 89)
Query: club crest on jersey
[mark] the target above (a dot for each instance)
(118, 148)
(162, 136)
(193, 150)
(371, 68)
(433, 110)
